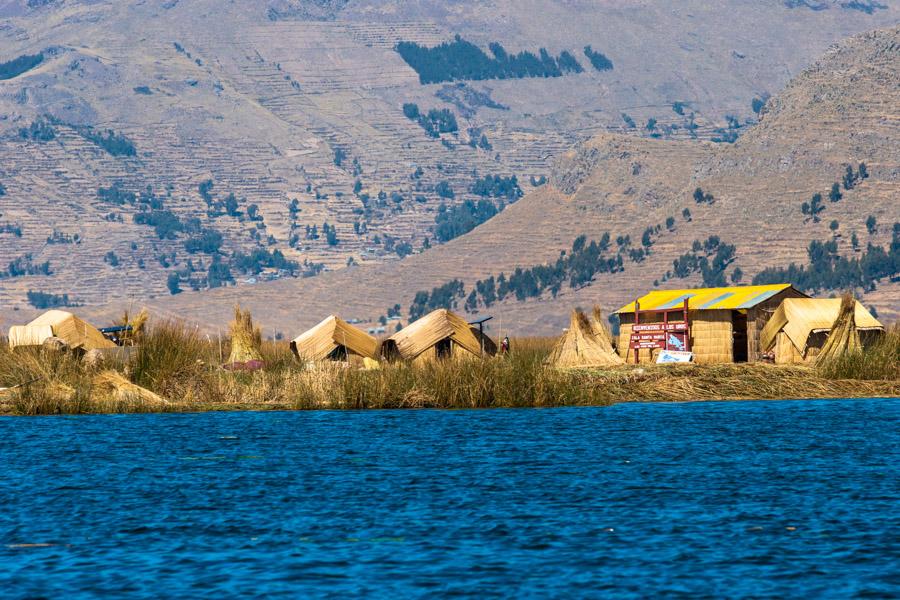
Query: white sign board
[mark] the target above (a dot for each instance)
(674, 356)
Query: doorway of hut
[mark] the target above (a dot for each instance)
(739, 340)
(444, 348)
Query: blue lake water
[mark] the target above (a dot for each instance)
(762, 499)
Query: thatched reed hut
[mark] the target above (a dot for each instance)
(799, 328)
(724, 324)
(76, 333)
(438, 335)
(335, 340)
(587, 343)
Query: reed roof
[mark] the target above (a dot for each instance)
(319, 342)
(727, 298)
(76, 332)
(799, 317)
(419, 336)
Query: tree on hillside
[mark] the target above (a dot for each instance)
(871, 225)
(757, 105)
(835, 194)
(813, 207)
(849, 178)
(703, 198)
(173, 282)
(598, 60)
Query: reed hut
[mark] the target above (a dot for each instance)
(76, 333)
(438, 335)
(799, 328)
(724, 324)
(335, 340)
(587, 343)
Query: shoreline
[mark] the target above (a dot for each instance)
(285, 408)
(414, 388)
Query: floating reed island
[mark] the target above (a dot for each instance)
(62, 364)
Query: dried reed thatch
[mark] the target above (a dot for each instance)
(334, 339)
(76, 333)
(440, 327)
(797, 329)
(844, 338)
(587, 343)
(712, 336)
(599, 328)
(246, 340)
(136, 325)
(111, 385)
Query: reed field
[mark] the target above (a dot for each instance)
(177, 369)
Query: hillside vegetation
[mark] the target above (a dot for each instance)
(153, 151)
(622, 215)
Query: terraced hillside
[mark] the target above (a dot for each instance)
(840, 113)
(240, 129)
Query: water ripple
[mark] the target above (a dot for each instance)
(743, 499)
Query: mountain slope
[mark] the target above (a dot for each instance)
(264, 98)
(840, 112)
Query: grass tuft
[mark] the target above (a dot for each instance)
(881, 361)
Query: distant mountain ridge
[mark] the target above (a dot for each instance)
(159, 147)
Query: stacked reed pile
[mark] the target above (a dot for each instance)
(843, 339)
(586, 344)
(134, 327)
(246, 341)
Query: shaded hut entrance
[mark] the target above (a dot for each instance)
(443, 349)
(739, 339)
(339, 354)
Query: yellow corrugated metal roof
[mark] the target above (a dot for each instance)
(728, 298)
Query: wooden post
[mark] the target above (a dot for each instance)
(637, 320)
(665, 330)
(687, 328)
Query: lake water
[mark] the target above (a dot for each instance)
(762, 499)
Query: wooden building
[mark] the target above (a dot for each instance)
(718, 325)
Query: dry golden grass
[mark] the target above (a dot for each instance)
(182, 367)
